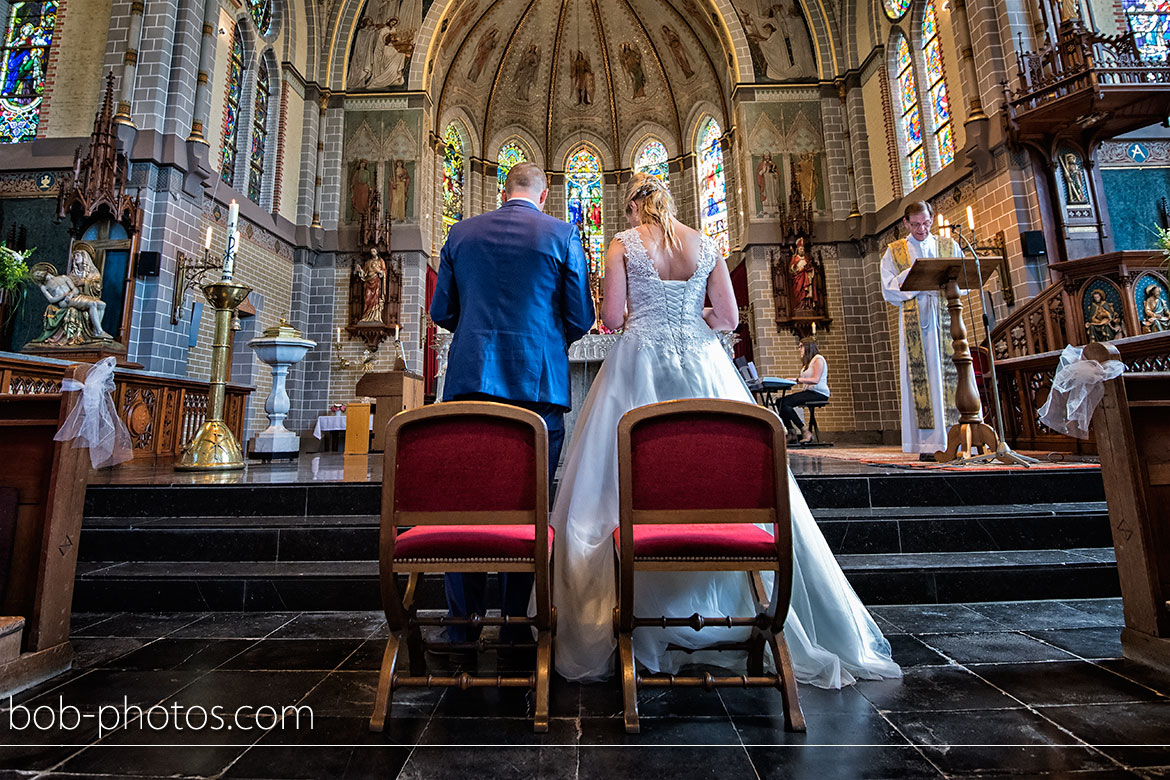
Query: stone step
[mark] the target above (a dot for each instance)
(355, 537)
(892, 578)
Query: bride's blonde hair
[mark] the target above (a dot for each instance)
(657, 204)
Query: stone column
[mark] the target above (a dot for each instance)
(967, 55)
(130, 64)
(198, 148)
(843, 94)
(319, 169)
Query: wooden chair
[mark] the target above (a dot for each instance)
(470, 479)
(43, 485)
(1132, 428)
(696, 477)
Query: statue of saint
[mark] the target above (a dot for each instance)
(768, 184)
(76, 308)
(804, 278)
(372, 275)
(1103, 323)
(1155, 312)
(399, 191)
(1074, 178)
(582, 76)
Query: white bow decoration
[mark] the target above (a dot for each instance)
(94, 421)
(1076, 390)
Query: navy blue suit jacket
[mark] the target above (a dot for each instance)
(513, 287)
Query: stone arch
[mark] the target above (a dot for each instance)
(472, 143)
(521, 134)
(642, 133)
(593, 141)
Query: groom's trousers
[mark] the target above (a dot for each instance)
(466, 593)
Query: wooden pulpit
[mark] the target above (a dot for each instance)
(393, 392)
(970, 436)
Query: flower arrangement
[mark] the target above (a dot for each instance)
(337, 409)
(1163, 243)
(14, 271)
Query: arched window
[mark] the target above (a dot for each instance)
(22, 68)
(910, 119)
(712, 185)
(896, 9)
(231, 109)
(510, 154)
(583, 203)
(259, 136)
(262, 15)
(936, 87)
(1151, 27)
(452, 179)
(652, 160)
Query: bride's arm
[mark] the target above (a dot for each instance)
(723, 314)
(613, 307)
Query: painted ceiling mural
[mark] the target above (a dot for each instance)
(779, 39)
(383, 46)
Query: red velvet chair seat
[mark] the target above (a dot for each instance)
(701, 541)
(470, 542)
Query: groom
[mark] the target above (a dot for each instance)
(513, 287)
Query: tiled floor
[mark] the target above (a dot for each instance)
(1026, 689)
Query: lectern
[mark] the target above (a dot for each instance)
(970, 436)
(393, 392)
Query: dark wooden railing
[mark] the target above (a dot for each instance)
(161, 412)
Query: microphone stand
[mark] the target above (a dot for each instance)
(1003, 453)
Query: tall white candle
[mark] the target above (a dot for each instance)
(971, 219)
(207, 238)
(229, 255)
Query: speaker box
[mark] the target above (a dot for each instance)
(1033, 243)
(148, 263)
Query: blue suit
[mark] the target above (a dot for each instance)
(513, 287)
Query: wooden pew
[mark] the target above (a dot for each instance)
(1132, 427)
(42, 493)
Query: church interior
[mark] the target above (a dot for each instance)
(238, 208)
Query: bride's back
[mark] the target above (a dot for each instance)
(677, 263)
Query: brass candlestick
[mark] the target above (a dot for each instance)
(214, 447)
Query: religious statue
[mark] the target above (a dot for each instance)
(526, 72)
(76, 308)
(359, 188)
(1103, 322)
(388, 64)
(768, 184)
(1155, 312)
(631, 60)
(1069, 10)
(675, 44)
(804, 278)
(1074, 177)
(804, 174)
(582, 76)
(487, 43)
(372, 275)
(399, 191)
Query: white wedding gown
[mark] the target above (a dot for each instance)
(668, 352)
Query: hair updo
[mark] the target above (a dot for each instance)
(657, 204)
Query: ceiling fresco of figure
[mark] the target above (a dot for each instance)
(779, 39)
(572, 70)
(387, 32)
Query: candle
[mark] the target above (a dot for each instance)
(940, 220)
(339, 335)
(229, 255)
(971, 219)
(396, 333)
(207, 238)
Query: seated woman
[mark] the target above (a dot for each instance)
(814, 386)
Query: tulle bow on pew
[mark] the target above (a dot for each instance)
(94, 421)
(1076, 391)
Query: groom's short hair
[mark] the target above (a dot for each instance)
(525, 176)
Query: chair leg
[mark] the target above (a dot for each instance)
(543, 674)
(755, 656)
(629, 683)
(786, 682)
(385, 694)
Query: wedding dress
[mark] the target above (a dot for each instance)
(668, 352)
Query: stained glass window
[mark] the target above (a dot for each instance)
(911, 124)
(896, 9)
(452, 179)
(22, 69)
(712, 185)
(940, 106)
(259, 136)
(1150, 22)
(231, 109)
(583, 203)
(261, 15)
(652, 160)
(510, 154)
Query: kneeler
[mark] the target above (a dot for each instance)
(469, 482)
(697, 479)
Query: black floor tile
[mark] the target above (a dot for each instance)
(934, 688)
(497, 731)
(1108, 612)
(1073, 682)
(332, 625)
(476, 702)
(79, 621)
(669, 702)
(857, 728)
(238, 688)
(683, 762)
(937, 619)
(1085, 642)
(993, 648)
(367, 657)
(184, 654)
(90, 653)
(1148, 676)
(475, 763)
(115, 688)
(351, 694)
(334, 748)
(1037, 615)
(236, 625)
(841, 763)
(1136, 734)
(910, 652)
(147, 625)
(767, 702)
(660, 731)
(141, 749)
(294, 654)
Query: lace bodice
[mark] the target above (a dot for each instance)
(666, 315)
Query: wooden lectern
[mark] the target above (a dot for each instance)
(393, 392)
(970, 434)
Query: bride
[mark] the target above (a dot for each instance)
(659, 272)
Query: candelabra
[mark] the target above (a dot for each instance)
(365, 364)
(189, 276)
